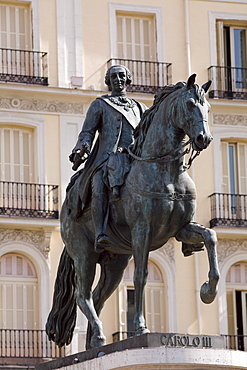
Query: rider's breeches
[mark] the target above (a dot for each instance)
(99, 203)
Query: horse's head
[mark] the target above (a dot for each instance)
(193, 113)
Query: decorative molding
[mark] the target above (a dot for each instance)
(40, 239)
(229, 120)
(227, 247)
(40, 105)
(168, 250)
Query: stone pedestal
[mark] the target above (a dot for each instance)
(155, 351)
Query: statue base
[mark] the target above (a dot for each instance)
(155, 351)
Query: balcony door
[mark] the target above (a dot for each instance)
(136, 42)
(236, 282)
(18, 293)
(153, 305)
(234, 180)
(232, 56)
(17, 167)
(15, 37)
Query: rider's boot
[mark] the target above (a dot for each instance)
(99, 213)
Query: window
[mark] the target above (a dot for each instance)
(232, 55)
(234, 167)
(15, 27)
(154, 300)
(18, 293)
(236, 282)
(136, 37)
(16, 154)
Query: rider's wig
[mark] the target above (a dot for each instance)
(128, 74)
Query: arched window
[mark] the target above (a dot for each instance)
(236, 284)
(18, 293)
(154, 300)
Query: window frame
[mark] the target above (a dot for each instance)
(132, 10)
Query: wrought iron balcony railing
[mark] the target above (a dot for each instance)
(121, 335)
(147, 77)
(228, 82)
(23, 66)
(236, 342)
(228, 210)
(19, 346)
(19, 199)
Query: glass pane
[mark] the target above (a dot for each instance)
(119, 29)
(240, 56)
(137, 31)
(232, 168)
(130, 310)
(12, 11)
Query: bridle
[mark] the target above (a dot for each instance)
(171, 156)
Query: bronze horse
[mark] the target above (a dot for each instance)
(157, 202)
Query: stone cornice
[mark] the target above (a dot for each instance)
(40, 239)
(229, 120)
(41, 105)
(227, 247)
(168, 250)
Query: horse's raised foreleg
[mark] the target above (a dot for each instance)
(141, 239)
(194, 233)
(112, 269)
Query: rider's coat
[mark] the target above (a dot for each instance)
(115, 125)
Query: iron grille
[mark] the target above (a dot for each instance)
(228, 210)
(228, 82)
(19, 199)
(23, 66)
(147, 77)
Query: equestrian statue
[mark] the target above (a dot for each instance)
(131, 197)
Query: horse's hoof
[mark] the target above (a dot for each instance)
(97, 341)
(141, 331)
(205, 294)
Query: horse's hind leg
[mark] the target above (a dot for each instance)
(112, 269)
(85, 265)
(194, 233)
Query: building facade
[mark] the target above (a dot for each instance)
(53, 59)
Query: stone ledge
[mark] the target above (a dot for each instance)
(152, 341)
(163, 358)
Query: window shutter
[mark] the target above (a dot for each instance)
(242, 170)
(122, 294)
(225, 167)
(16, 154)
(154, 307)
(230, 312)
(136, 37)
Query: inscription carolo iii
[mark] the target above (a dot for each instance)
(186, 341)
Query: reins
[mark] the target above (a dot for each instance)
(171, 156)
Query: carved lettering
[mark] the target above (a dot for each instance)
(174, 340)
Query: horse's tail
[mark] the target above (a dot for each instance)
(62, 317)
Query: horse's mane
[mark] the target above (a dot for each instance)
(140, 131)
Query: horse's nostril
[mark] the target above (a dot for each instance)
(200, 140)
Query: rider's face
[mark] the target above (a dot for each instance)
(118, 79)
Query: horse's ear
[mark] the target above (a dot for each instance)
(206, 86)
(191, 81)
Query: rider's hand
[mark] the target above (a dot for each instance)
(82, 153)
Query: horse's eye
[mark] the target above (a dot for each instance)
(190, 103)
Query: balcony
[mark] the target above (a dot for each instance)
(229, 210)
(19, 199)
(147, 77)
(228, 82)
(26, 347)
(235, 342)
(23, 66)
(121, 335)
